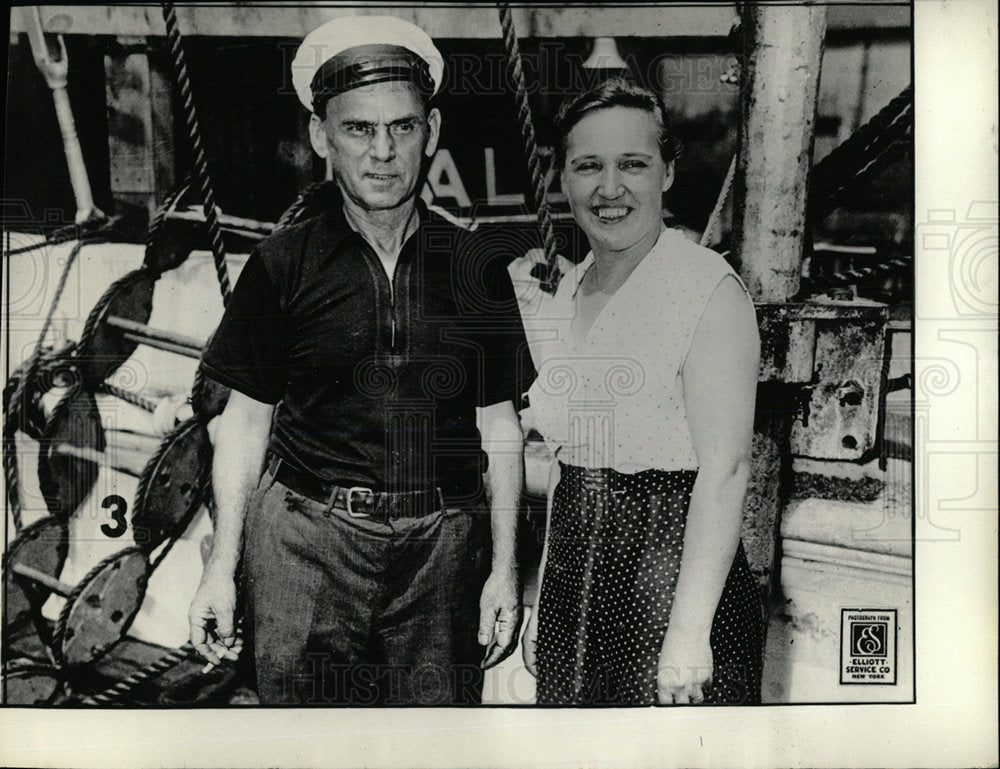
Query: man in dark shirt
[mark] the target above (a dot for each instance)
(362, 347)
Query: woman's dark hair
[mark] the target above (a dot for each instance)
(614, 92)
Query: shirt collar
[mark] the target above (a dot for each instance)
(333, 229)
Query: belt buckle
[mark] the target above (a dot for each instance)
(350, 500)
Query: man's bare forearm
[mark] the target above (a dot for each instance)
(240, 446)
(503, 442)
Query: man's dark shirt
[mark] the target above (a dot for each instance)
(375, 387)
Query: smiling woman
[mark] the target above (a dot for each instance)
(646, 396)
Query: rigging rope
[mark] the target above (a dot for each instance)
(136, 399)
(159, 220)
(516, 73)
(200, 165)
(862, 154)
(61, 235)
(713, 218)
(154, 669)
(16, 406)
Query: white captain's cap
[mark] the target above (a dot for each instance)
(354, 51)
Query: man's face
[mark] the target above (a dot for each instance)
(375, 138)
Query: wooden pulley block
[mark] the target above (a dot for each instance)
(30, 684)
(41, 546)
(208, 397)
(56, 369)
(103, 348)
(101, 608)
(66, 479)
(172, 486)
(171, 247)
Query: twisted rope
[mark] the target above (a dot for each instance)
(713, 218)
(875, 142)
(854, 273)
(832, 198)
(149, 672)
(30, 418)
(146, 404)
(200, 165)
(93, 322)
(160, 217)
(516, 73)
(309, 203)
(17, 405)
(59, 236)
(158, 223)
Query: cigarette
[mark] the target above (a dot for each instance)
(208, 668)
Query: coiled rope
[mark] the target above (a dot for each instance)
(17, 406)
(200, 165)
(515, 71)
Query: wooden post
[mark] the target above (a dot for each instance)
(784, 47)
(140, 127)
(784, 51)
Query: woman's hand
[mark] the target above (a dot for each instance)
(684, 668)
(529, 641)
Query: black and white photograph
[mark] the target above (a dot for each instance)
(552, 371)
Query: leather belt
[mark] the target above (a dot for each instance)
(357, 501)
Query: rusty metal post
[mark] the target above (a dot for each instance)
(784, 47)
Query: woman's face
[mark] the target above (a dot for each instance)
(614, 178)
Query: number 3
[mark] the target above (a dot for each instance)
(118, 509)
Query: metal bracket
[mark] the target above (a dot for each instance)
(836, 353)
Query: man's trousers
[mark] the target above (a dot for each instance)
(351, 611)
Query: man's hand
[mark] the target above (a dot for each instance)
(499, 616)
(213, 632)
(685, 666)
(529, 641)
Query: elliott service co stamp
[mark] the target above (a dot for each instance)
(868, 649)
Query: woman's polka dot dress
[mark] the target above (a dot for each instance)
(615, 545)
(615, 399)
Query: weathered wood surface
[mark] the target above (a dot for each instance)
(783, 58)
(477, 22)
(783, 54)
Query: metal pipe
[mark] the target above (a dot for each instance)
(159, 338)
(241, 224)
(56, 586)
(100, 458)
(158, 344)
(56, 73)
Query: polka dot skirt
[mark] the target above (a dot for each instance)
(615, 543)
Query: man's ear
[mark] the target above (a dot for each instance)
(434, 131)
(317, 136)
